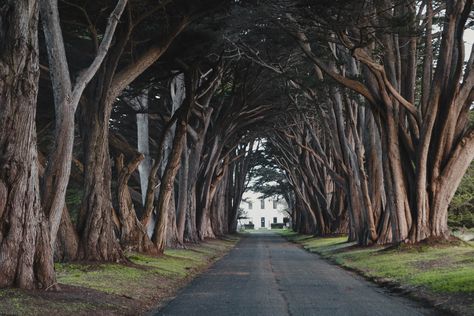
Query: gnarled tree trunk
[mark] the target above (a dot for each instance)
(133, 235)
(66, 99)
(67, 241)
(98, 241)
(182, 203)
(27, 260)
(167, 183)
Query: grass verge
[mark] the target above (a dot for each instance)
(116, 289)
(441, 274)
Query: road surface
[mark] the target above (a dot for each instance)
(266, 275)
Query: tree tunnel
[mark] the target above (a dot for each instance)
(140, 128)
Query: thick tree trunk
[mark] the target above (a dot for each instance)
(183, 197)
(95, 226)
(66, 99)
(167, 185)
(172, 240)
(195, 160)
(205, 199)
(190, 230)
(217, 210)
(400, 174)
(133, 236)
(221, 198)
(178, 94)
(27, 260)
(98, 240)
(67, 241)
(401, 217)
(58, 171)
(147, 219)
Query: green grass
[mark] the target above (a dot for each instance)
(143, 280)
(440, 269)
(120, 279)
(108, 278)
(447, 280)
(285, 232)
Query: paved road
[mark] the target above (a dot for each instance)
(266, 275)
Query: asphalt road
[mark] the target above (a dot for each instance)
(266, 275)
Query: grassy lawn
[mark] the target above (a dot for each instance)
(444, 272)
(110, 289)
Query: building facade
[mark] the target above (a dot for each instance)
(262, 213)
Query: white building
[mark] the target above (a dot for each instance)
(261, 212)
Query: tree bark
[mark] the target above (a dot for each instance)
(159, 234)
(196, 150)
(183, 198)
(27, 260)
(66, 99)
(133, 236)
(98, 241)
(97, 237)
(67, 241)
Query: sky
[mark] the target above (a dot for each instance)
(468, 41)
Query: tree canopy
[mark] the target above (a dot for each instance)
(137, 125)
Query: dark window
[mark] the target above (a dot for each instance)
(262, 222)
(250, 205)
(275, 204)
(274, 220)
(262, 203)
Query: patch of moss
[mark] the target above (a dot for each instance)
(109, 278)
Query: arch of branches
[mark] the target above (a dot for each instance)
(131, 125)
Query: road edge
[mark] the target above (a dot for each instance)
(422, 297)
